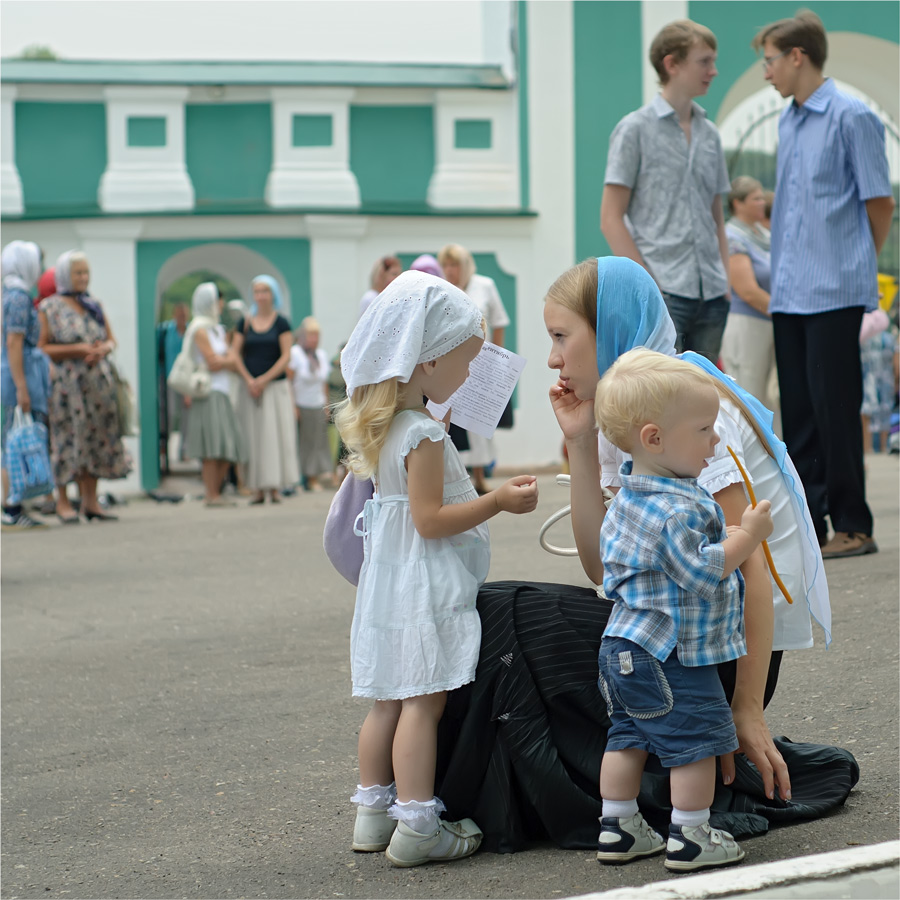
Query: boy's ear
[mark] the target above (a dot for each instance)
(650, 437)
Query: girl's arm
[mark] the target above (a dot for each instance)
(433, 519)
(753, 669)
(576, 419)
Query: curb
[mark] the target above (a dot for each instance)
(735, 882)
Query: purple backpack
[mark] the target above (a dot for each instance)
(343, 547)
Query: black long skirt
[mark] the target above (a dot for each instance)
(519, 749)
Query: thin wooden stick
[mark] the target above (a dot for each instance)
(765, 544)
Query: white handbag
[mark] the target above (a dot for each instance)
(188, 377)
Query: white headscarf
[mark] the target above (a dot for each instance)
(415, 319)
(205, 301)
(62, 272)
(21, 265)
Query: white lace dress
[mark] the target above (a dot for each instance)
(415, 629)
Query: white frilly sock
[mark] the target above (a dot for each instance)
(376, 796)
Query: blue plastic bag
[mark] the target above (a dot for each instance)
(27, 460)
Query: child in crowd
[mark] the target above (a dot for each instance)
(673, 576)
(416, 632)
(878, 353)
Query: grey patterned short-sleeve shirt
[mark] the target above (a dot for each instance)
(673, 186)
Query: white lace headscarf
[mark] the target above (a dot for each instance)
(415, 319)
(20, 263)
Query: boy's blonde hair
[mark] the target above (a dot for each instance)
(676, 39)
(363, 420)
(638, 388)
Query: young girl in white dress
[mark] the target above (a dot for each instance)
(416, 631)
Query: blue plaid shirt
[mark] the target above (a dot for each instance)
(661, 545)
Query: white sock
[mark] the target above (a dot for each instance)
(620, 809)
(375, 796)
(422, 816)
(690, 818)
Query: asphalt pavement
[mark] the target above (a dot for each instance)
(177, 718)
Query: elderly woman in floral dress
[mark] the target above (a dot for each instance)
(84, 421)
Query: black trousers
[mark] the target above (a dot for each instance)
(820, 378)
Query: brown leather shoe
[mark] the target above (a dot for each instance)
(848, 543)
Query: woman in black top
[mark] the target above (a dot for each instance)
(263, 344)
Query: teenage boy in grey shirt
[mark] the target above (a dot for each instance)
(665, 172)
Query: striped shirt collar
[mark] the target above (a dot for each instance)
(663, 108)
(818, 101)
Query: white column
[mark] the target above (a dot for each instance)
(145, 178)
(316, 173)
(654, 15)
(334, 260)
(11, 203)
(485, 177)
(110, 245)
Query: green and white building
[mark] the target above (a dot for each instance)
(483, 123)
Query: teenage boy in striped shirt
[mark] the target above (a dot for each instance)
(831, 217)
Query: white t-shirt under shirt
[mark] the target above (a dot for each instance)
(793, 630)
(308, 385)
(482, 291)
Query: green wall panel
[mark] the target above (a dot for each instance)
(291, 257)
(60, 153)
(472, 134)
(522, 69)
(736, 24)
(312, 131)
(146, 131)
(392, 153)
(228, 151)
(607, 63)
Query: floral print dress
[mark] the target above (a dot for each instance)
(84, 421)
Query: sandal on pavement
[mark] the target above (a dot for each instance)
(409, 848)
(372, 830)
(848, 543)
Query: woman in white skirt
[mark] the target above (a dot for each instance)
(309, 371)
(262, 342)
(216, 436)
(459, 270)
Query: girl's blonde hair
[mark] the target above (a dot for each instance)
(640, 387)
(363, 421)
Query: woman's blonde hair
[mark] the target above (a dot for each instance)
(363, 420)
(576, 290)
(458, 254)
(640, 387)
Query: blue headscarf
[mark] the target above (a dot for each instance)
(632, 313)
(272, 285)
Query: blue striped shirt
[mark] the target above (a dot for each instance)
(663, 561)
(831, 159)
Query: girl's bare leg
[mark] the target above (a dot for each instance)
(415, 746)
(376, 740)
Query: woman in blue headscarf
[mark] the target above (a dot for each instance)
(602, 308)
(520, 748)
(262, 342)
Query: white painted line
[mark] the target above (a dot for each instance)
(766, 875)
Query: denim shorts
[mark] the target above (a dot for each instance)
(677, 712)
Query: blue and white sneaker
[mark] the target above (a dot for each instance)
(700, 847)
(622, 840)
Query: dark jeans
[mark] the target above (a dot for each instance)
(820, 377)
(699, 324)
